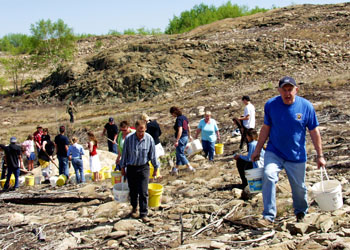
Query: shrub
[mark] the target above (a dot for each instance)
(203, 14)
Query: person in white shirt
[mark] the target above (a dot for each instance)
(246, 121)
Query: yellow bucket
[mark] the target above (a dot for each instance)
(12, 180)
(2, 182)
(219, 148)
(101, 175)
(61, 180)
(151, 170)
(155, 191)
(116, 177)
(29, 180)
(107, 174)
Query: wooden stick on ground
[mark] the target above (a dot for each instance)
(272, 233)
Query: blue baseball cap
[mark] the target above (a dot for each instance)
(287, 80)
(13, 139)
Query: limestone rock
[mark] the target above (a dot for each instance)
(297, 228)
(127, 225)
(118, 234)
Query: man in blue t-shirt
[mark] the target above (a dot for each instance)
(286, 118)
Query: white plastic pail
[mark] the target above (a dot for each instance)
(121, 192)
(254, 178)
(37, 180)
(21, 181)
(328, 194)
(53, 180)
(194, 147)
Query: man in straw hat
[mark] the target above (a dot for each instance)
(286, 118)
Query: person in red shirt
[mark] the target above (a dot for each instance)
(37, 137)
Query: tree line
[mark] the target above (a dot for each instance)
(52, 43)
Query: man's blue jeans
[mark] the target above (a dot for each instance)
(79, 170)
(16, 172)
(180, 151)
(112, 147)
(63, 165)
(273, 164)
(208, 148)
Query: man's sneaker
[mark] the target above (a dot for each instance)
(145, 219)
(300, 217)
(264, 223)
(133, 213)
(174, 171)
(191, 169)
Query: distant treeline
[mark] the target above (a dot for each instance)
(186, 21)
(204, 14)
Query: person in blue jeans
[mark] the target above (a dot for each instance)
(182, 134)
(210, 133)
(75, 154)
(244, 162)
(14, 162)
(61, 144)
(285, 121)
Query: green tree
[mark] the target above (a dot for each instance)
(53, 42)
(15, 68)
(3, 82)
(16, 43)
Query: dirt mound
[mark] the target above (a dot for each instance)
(308, 39)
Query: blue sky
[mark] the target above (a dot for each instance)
(99, 17)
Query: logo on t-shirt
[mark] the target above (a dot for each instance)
(299, 116)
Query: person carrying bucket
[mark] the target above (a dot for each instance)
(95, 164)
(182, 134)
(244, 162)
(124, 131)
(285, 121)
(138, 150)
(210, 133)
(45, 156)
(14, 162)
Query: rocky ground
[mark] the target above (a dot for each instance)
(208, 68)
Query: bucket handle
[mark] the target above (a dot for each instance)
(122, 183)
(323, 173)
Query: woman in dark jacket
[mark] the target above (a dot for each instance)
(182, 134)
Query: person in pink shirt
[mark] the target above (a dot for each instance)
(28, 146)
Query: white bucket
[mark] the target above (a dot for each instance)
(121, 192)
(254, 178)
(72, 179)
(88, 177)
(194, 147)
(53, 180)
(37, 180)
(328, 194)
(21, 181)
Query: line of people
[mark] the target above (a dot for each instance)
(286, 119)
